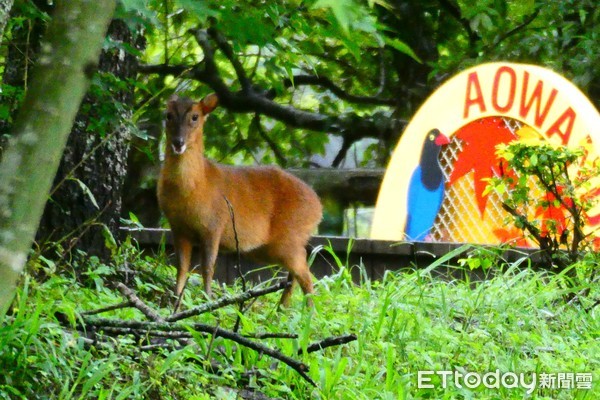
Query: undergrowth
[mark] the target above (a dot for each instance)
(517, 321)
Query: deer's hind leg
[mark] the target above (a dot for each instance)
(294, 260)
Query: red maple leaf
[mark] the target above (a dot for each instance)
(479, 154)
(553, 212)
(512, 236)
(596, 244)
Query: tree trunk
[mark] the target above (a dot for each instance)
(95, 158)
(5, 6)
(70, 51)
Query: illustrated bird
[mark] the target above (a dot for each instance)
(426, 188)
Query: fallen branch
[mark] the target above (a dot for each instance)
(141, 333)
(101, 323)
(329, 342)
(177, 331)
(139, 304)
(225, 301)
(125, 304)
(169, 328)
(267, 335)
(250, 394)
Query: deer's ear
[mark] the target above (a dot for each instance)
(209, 103)
(173, 98)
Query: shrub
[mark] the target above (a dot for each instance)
(548, 192)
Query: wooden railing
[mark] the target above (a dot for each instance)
(374, 257)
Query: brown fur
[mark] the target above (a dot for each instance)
(275, 213)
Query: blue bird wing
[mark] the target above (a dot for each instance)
(423, 207)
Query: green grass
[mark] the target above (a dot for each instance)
(515, 322)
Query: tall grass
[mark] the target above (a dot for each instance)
(518, 321)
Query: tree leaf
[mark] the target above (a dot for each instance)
(198, 9)
(109, 239)
(534, 159)
(86, 190)
(402, 47)
(343, 11)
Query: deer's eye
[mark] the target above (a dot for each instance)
(195, 117)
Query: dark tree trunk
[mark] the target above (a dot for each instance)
(21, 51)
(96, 156)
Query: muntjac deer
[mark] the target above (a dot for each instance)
(275, 213)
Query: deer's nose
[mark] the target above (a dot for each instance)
(178, 145)
(178, 141)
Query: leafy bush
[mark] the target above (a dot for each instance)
(549, 192)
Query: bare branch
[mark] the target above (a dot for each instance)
(144, 333)
(302, 369)
(274, 335)
(164, 69)
(454, 11)
(329, 342)
(346, 144)
(327, 83)
(259, 101)
(225, 301)
(532, 229)
(238, 267)
(139, 304)
(119, 306)
(224, 46)
(281, 160)
(516, 29)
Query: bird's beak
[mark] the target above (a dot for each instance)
(441, 140)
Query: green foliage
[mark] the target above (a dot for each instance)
(284, 40)
(406, 322)
(392, 54)
(373, 49)
(552, 33)
(381, 50)
(24, 16)
(548, 192)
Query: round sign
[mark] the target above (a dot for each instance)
(434, 186)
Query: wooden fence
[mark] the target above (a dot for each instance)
(374, 257)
